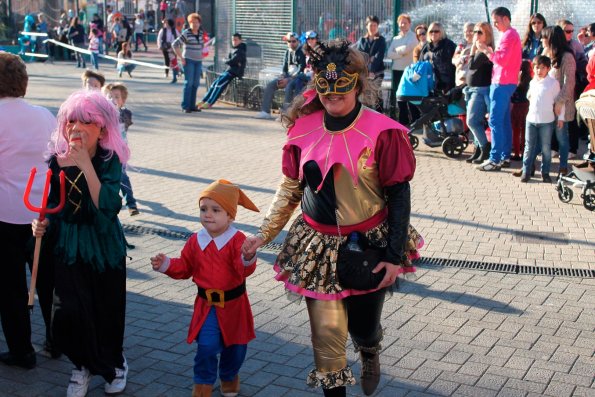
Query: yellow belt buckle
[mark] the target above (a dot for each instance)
(221, 295)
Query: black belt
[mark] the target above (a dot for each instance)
(218, 297)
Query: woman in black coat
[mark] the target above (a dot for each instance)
(439, 51)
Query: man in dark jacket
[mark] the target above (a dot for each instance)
(294, 64)
(237, 64)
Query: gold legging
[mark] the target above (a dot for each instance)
(330, 321)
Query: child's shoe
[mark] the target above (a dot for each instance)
(202, 390)
(230, 388)
(79, 383)
(119, 383)
(206, 105)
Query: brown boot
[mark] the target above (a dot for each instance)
(230, 388)
(370, 376)
(202, 390)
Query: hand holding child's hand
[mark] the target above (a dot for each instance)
(560, 124)
(557, 108)
(251, 244)
(157, 261)
(39, 227)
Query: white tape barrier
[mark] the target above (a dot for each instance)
(84, 51)
(33, 54)
(37, 34)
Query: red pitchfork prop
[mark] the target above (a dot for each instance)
(43, 210)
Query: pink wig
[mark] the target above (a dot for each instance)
(90, 107)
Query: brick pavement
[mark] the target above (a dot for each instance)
(450, 332)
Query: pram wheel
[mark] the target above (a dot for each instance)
(589, 201)
(453, 146)
(414, 141)
(465, 139)
(565, 194)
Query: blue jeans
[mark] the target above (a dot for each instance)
(500, 122)
(192, 72)
(126, 67)
(538, 137)
(126, 188)
(293, 88)
(95, 60)
(267, 96)
(563, 144)
(478, 103)
(209, 343)
(217, 88)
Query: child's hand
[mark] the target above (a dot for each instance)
(248, 257)
(157, 261)
(560, 124)
(251, 244)
(39, 227)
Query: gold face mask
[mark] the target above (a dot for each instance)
(330, 81)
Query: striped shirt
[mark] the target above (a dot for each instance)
(191, 43)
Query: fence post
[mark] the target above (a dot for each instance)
(392, 100)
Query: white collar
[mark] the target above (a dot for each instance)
(204, 238)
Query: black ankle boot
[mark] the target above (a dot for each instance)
(370, 376)
(340, 391)
(476, 154)
(485, 154)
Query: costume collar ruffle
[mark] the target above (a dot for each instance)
(344, 147)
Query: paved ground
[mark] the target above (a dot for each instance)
(450, 332)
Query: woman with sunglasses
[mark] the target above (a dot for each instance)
(477, 92)
(439, 51)
(574, 129)
(532, 40)
(563, 70)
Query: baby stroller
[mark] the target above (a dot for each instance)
(581, 178)
(440, 122)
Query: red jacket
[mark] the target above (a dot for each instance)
(220, 268)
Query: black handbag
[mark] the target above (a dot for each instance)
(354, 268)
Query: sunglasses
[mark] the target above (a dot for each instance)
(569, 31)
(434, 31)
(422, 33)
(479, 32)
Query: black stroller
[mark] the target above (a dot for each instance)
(440, 122)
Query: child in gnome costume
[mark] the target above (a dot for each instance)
(222, 323)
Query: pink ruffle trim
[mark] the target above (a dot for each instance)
(328, 297)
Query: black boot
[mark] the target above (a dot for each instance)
(370, 376)
(485, 154)
(476, 154)
(340, 391)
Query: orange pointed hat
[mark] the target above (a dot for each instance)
(228, 196)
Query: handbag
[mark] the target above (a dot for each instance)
(354, 267)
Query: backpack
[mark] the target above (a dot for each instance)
(417, 81)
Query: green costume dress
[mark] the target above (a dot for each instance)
(89, 254)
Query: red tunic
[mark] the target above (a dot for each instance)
(221, 269)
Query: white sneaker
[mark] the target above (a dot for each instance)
(119, 383)
(554, 154)
(79, 383)
(489, 166)
(264, 116)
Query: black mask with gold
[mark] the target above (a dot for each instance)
(329, 63)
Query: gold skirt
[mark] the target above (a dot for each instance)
(308, 259)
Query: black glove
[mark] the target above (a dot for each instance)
(399, 211)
